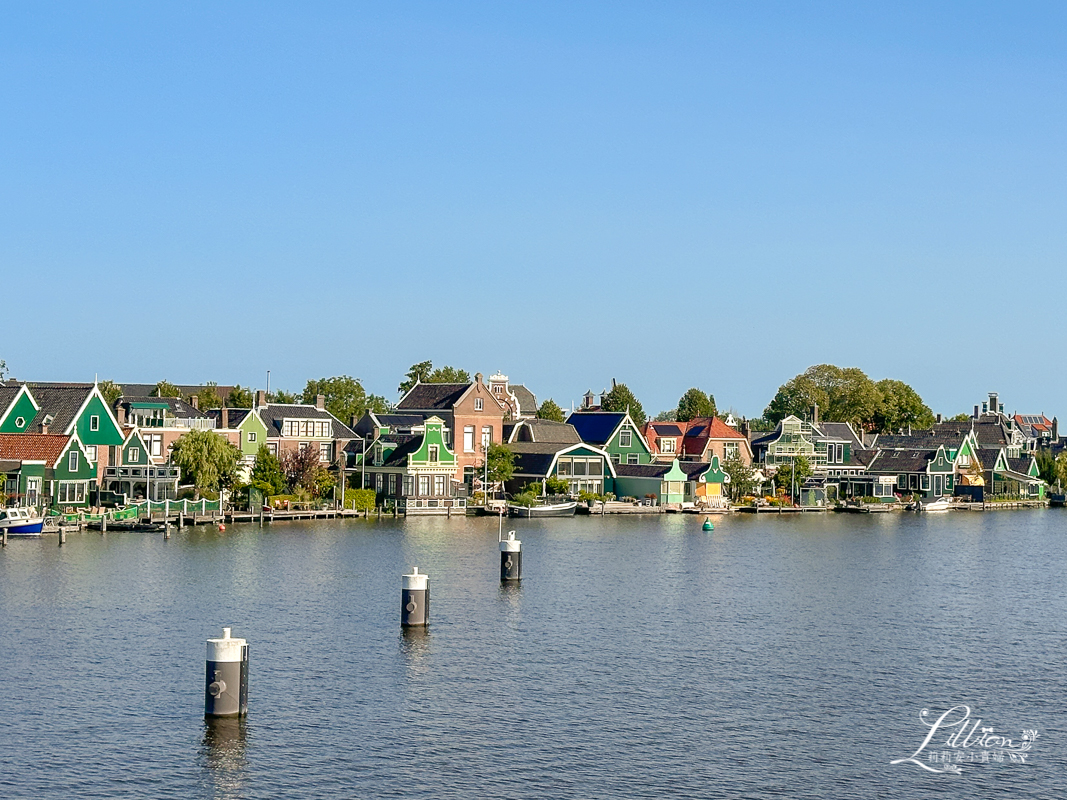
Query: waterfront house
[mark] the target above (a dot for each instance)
(664, 439)
(244, 428)
(1038, 430)
(161, 421)
(471, 414)
(708, 437)
(415, 472)
(614, 432)
(545, 449)
(46, 471)
(137, 474)
(676, 483)
(1009, 477)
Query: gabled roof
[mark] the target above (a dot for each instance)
(60, 401)
(47, 447)
(893, 461)
(596, 427)
(542, 430)
(839, 430)
(537, 458)
(713, 428)
(433, 396)
(692, 469)
(527, 401)
(273, 414)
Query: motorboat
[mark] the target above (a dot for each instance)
(20, 522)
(565, 509)
(935, 506)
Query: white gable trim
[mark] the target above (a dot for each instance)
(22, 390)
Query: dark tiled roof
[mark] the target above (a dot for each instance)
(1020, 465)
(892, 461)
(234, 416)
(839, 430)
(923, 440)
(7, 396)
(397, 421)
(399, 456)
(60, 401)
(527, 401)
(988, 433)
(692, 469)
(595, 427)
(535, 458)
(273, 414)
(545, 430)
(433, 396)
(988, 457)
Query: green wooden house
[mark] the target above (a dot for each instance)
(415, 473)
(676, 483)
(613, 432)
(18, 409)
(47, 471)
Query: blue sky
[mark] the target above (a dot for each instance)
(670, 194)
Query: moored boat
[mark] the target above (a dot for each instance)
(934, 506)
(546, 510)
(20, 522)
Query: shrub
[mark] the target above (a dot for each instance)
(359, 499)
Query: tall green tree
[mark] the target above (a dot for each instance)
(419, 373)
(111, 392)
(901, 408)
(423, 372)
(240, 397)
(345, 397)
(206, 459)
(166, 389)
(267, 473)
(620, 398)
(742, 476)
(448, 374)
(550, 410)
(791, 476)
(842, 394)
(694, 403)
(208, 396)
(670, 415)
(282, 396)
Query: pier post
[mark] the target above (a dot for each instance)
(62, 536)
(510, 558)
(3, 539)
(181, 519)
(226, 677)
(415, 599)
(261, 515)
(166, 529)
(103, 522)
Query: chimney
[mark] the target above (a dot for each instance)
(994, 404)
(44, 427)
(225, 417)
(477, 377)
(1055, 429)
(975, 412)
(120, 414)
(355, 420)
(938, 418)
(261, 399)
(815, 414)
(320, 402)
(194, 401)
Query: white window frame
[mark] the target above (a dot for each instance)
(91, 452)
(626, 438)
(468, 438)
(72, 461)
(632, 458)
(479, 404)
(324, 451)
(433, 454)
(20, 422)
(133, 455)
(94, 422)
(251, 436)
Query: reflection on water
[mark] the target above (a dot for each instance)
(223, 753)
(415, 648)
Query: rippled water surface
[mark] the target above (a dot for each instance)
(641, 657)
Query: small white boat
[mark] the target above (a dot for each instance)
(935, 506)
(547, 510)
(20, 522)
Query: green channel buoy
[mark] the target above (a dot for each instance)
(707, 524)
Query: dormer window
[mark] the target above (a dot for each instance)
(478, 404)
(433, 453)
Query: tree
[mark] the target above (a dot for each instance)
(742, 476)
(282, 396)
(554, 485)
(791, 476)
(166, 389)
(417, 374)
(620, 398)
(345, 397)
(206, 459)
(267, 472)
(901, 408)
(208, 396)
(670, 415)
(3, 370)
(1061, 469)
(239, 397)
(694, 403)
(110, 390)
(501, 463)
(301, 468)
(960, 418)
(449, 375)
(842, 394)
(550, 410)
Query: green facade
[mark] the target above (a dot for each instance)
(433, 450)
(252, 424)
(71, 477)
(21, 411)
(668, 487)
(95, 425)
(135, 452)
(620, 452)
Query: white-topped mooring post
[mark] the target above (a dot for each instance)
(226, 679)
(415, 599)
(510, 558)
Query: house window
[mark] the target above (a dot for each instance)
(302, 446)
(251, 436)
(902, 481)
(157, 445)
(272, 448)
(424, 485)
(409, 486)
(90, 452)
(914, 481)
(468, 439)
(392, 483)
(615, 459)
(631, 458)
(666, 445)
(563, 466)
(325, 451)
(378, 483)
(72, 461)
(625, 438)
(596, 466)
(377, 455)
(487, 437)
(731, 450)
(20, 422)
(433, 453)
(94, 423)
(579, 467)
(478, 404)
(439, 485)
(71, 491)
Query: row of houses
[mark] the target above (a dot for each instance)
(992, 454)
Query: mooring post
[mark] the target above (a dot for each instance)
(415, 599)
(510, 558)
(226, 678)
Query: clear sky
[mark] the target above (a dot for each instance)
(671, 194)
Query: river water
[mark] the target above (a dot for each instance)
(641, 657)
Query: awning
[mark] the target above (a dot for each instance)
(10, 466)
